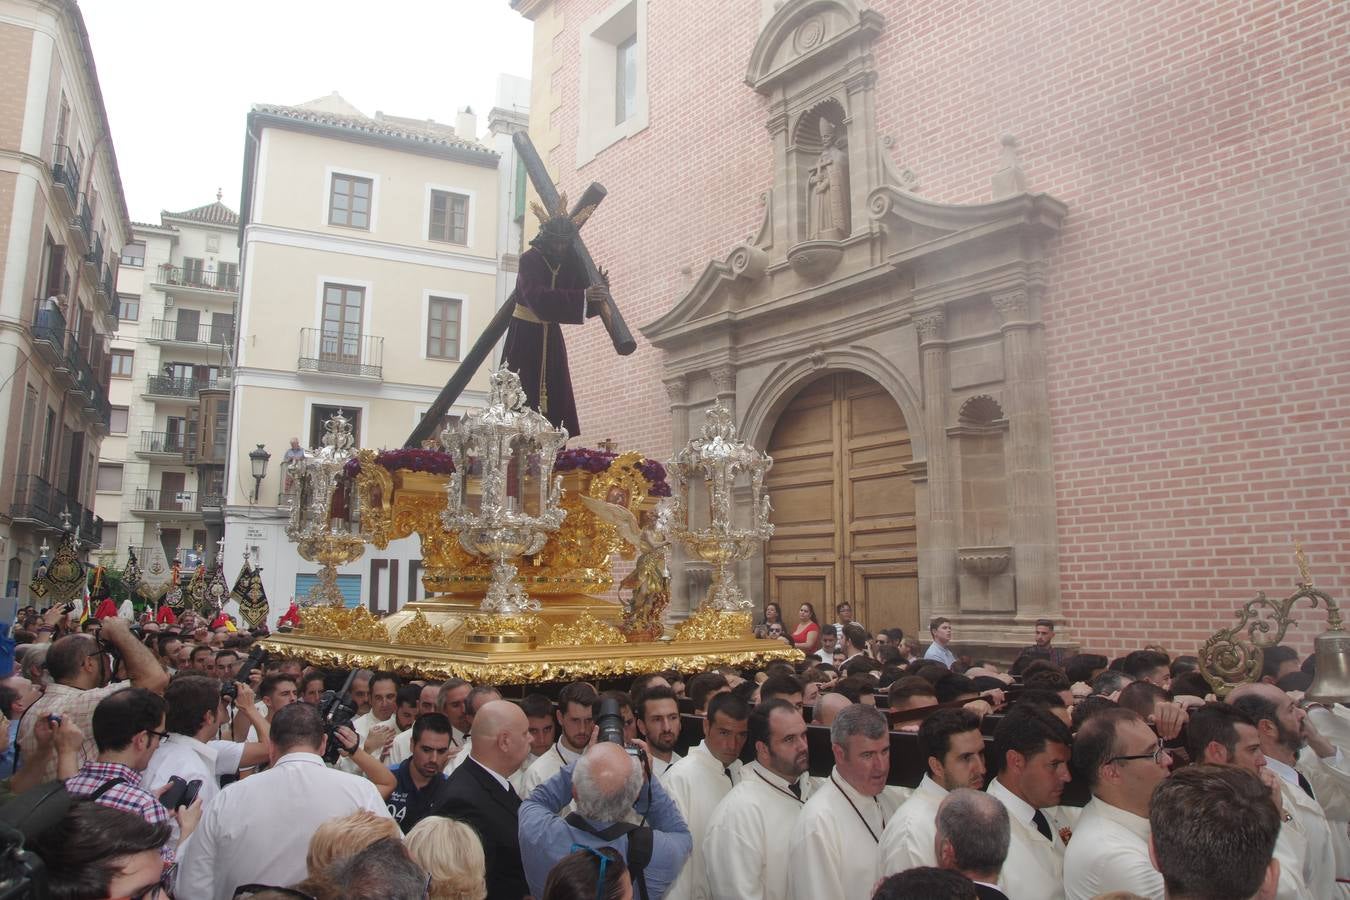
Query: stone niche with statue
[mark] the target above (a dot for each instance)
(855, 274)
(518, 537)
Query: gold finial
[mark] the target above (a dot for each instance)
(1304, 577)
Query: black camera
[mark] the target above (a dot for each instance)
(229, 690)
(180, 793)
(610, 721)
(337, 710)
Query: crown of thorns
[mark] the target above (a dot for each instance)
(560, 213)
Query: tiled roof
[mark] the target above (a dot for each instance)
(321, 112)
(212, 214)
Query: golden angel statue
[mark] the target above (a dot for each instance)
(649, 582)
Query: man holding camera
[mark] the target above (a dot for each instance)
(259, 830)
(197, 706)
(606, 783)
(81, 672)
(128, 726)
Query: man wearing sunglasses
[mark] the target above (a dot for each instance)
(128, 727)
(1123, 761)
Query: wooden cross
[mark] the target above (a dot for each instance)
(496, 327)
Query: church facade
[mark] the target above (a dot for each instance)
(1042, 310)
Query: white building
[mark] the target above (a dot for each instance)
(372, 256)
(161, 473)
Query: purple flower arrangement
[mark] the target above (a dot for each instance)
(584, 459)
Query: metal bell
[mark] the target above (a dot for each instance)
(1331, 684)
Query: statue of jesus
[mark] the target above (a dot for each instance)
(552, 289)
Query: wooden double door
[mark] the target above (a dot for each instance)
(844, 508)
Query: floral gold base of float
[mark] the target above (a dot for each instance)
(566, 649)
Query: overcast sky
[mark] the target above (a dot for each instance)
(179, 76)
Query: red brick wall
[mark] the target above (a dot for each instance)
(1198, 311)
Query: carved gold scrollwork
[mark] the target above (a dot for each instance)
(421, 633)
(710, 624)
(1234, 655)
(356, 624)
(585, 631)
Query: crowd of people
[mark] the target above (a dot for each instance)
(143, 762)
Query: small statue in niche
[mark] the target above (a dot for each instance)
(828, 182)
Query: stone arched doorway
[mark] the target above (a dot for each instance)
(844, 505)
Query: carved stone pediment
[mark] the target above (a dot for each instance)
(800, 35)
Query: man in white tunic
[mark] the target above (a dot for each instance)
(951, 743)
(1032, 747)
(1279, 722)
(1123, 761)
(832, 850)
(658, 720)
(575, 724)
(745, 847)
(700, 781)
(377, 729)
(1218, 734)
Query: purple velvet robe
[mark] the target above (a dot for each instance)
(536, 351)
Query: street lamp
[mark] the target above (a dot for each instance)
(258, 460)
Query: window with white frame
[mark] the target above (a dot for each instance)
(613, 72)
(349, 201)
(443, 315)
(449, 218)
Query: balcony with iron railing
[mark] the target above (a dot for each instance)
(212, 280)
(162, 444)
(184, 331)
(94, 258)
(177, 388)
(156, 503)
(330, 352)
(66, 174)
(36, 501)
(81, 225)
(48, 330)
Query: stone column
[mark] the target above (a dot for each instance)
(937, 560)
(677, 390)
(1031, 489)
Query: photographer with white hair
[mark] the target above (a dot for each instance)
(605, 783)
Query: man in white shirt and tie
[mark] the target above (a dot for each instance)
(971, 836)
(658, 720)
(953, 747)
(1218, 734)
(832, 850)
(1032, 748)
(1281, 725)
(700, 781)
(1123, 761)
(575, 723)
(745, 846)
(258, 831)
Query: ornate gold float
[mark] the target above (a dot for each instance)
(547, 618)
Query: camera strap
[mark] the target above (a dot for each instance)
(105, 787)
(640, 844)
